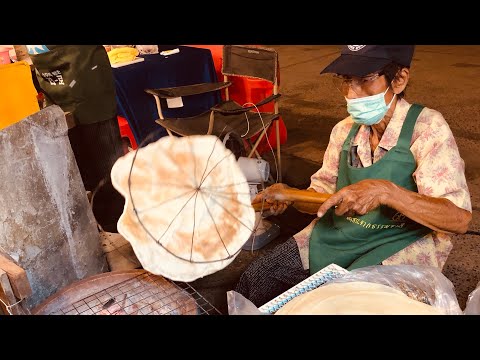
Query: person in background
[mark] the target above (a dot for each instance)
(396, 175)
(79, 79)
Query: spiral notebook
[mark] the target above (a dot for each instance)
(321, 277)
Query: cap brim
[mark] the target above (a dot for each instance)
(355, 65)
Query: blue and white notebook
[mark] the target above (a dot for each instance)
(321, 277)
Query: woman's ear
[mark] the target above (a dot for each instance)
(400, 81)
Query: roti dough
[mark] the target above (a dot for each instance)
(192, 204)
(356, 298)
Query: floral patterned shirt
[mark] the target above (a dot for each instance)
(440, 173)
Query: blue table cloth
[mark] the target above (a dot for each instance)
(189, 66)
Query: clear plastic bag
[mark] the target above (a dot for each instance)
(421, 283)
(473, 302)
(239, 305)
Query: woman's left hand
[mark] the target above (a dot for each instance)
(359, 198)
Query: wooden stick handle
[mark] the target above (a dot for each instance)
(303, 196)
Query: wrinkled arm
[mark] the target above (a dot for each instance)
(438, 214)
(435, 213)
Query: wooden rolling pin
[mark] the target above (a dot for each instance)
(303, 200)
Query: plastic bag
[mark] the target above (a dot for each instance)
(239, 305)
(473, 302)
(421, 283)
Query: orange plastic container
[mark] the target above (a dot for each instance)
(18, 97)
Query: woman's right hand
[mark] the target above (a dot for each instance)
(268, 196)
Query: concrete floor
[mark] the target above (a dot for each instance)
(444, 78)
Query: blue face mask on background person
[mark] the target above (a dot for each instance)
(368, 110)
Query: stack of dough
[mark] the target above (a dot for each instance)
(356, 298)
(122, 54)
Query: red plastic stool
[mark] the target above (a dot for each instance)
(126, 132)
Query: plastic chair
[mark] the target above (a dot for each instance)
(228, 115)
(245, 90)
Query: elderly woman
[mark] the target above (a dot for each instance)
(396, 176)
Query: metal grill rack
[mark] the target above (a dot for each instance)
(144, 294)
(205, 307)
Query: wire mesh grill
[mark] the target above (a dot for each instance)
(145, 294)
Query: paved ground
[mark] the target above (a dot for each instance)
(442, 77)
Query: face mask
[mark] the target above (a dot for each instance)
(368, 110)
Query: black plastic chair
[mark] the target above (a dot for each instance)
(228, 116)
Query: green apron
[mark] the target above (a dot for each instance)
(79, 79)
(354, 242)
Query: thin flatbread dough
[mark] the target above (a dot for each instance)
(356, 298)
(181, 233)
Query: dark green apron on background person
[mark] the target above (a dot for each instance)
(355, 242)
(79, 79)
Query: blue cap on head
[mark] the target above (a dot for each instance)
(361, 60)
